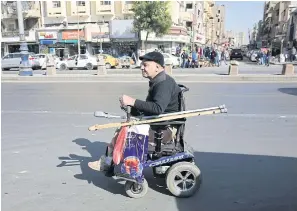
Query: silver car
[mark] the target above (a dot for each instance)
(13, 60)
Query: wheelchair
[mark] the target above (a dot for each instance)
(174, 161)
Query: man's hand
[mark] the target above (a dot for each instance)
(127, 101)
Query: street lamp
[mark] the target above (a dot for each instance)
(78, 40)
(25, 68)
(100, 34)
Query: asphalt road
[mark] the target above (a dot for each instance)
(248, 157)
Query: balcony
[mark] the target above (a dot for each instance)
(13, 34)
(56, 8)
(127, 8)
(81, 8)
(104, 7)
(30, 10)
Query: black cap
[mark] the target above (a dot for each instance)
(155, 57)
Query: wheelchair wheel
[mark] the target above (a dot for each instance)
(183, 179)
(135, 190)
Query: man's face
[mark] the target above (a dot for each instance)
(149, 69)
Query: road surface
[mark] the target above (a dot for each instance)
(248, 157)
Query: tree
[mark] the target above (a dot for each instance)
(152, 17)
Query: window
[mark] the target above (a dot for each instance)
(198, 12)
(56, 4)
(80, 3)
(219, 11)
(83, 57)
(105, 2)
(16, 55)
(11, 27)
(189, 6)
(218, 20)
(8, 56)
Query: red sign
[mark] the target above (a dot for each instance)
(72, 35)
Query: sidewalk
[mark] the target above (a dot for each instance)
(138, 78)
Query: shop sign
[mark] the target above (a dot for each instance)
(72, 35)
(47, 35)
(99, 35)
(166, 38)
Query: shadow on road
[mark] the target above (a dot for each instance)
(230, 181)
(95, 149)
(244, 182)
(289, 91)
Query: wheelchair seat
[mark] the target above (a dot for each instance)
(160, 149)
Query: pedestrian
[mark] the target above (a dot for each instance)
(268, 55)
(183, 57)
(223, 56)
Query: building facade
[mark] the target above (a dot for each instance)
(10, 41)
(64, 27)
(278, 25)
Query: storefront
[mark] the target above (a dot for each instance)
(10, 42)
(46, 39)
(124, 40)
(95, 36)
(67, 44)
(166, 43)
(176, 39)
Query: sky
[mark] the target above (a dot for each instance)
(242, 15)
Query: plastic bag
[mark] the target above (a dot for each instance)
(119, 145)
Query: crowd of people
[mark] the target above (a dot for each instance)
(190, 59)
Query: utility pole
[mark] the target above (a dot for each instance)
(25, 67)
(194, 26)
(78, 31)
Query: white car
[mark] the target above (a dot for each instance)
(42, 60)
(84, 61)
(170, 59)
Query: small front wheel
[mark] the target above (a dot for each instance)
(135, 190)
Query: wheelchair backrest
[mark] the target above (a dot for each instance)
(182, 103)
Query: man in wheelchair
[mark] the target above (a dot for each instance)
(163, 97)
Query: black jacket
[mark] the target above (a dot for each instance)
(162, 97)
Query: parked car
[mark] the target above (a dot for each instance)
(83, 61)
(170, 59)
(110, 61)
(125, 61)
(42, 60)
(236, 54)
(13, 60)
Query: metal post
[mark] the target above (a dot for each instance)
(193, 27)
(25, 67)
(78, 40)
(100, 40)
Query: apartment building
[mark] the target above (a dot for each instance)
(292, 30)
(208, 19)
(218, 27)
(276, 23)
(110, 23)
(59, 27)
(10, 41)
